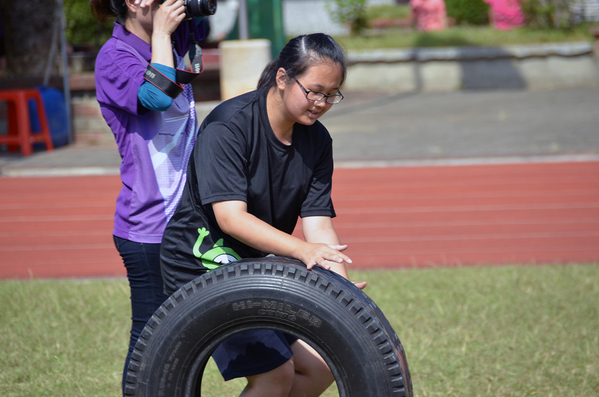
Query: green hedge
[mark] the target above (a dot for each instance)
(82, 28)
(468, 12)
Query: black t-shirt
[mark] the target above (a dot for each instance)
(238, 157)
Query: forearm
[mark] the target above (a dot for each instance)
(320, 229)
(165, 22)
(162, 49)
(233, 219)
(260, 235)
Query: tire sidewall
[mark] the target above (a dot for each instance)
(253, 295)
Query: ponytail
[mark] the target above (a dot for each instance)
(104, 9)
(269, 74)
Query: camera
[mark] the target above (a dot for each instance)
(198, 8)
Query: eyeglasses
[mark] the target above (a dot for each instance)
(319, 96)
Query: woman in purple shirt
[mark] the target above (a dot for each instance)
(155, 134)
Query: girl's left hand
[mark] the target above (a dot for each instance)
(143, 3)
(361, 285)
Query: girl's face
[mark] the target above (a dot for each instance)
(146, 15)
(323, 77)
(141, 16)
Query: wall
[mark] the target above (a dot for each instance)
(537, 67)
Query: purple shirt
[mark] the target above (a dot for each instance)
(154, 146)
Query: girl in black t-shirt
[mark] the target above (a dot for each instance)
(262, 160)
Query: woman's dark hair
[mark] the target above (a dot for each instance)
(104, 9)
(302, 52)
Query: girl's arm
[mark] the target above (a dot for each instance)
(320, 248)
(233, 219)
(166, 19)
(319, 229)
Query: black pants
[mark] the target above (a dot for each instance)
(142, 262)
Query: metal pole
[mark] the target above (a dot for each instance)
(244, 29)
(52, 56)
(65, 71)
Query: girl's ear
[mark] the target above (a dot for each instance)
(131, 5)
(281, 79)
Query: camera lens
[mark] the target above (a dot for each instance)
(199, 8)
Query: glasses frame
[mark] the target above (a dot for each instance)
(324, 96)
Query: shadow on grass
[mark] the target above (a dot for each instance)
(446, 39)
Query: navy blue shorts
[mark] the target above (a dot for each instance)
(252, 353)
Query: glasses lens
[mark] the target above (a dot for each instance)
(314, 96)
(334, 99)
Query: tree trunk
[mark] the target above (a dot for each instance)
(28, 27)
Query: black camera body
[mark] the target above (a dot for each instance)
(198, 8)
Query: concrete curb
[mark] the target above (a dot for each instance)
(469, 53)
(31, 172)
(537, 67)
(469, 161)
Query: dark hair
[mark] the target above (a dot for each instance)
(302, 52)
(104, 9)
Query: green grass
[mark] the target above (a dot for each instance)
(482, 331)
(457, 36)
(386, 11)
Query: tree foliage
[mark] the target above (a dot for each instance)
(351, 13)
(468, 12)
(548, 14)
(82, 28)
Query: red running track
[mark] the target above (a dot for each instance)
(390, 217)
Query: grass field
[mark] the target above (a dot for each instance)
(457, 36)
(480, 331)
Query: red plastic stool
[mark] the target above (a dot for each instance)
(19, 126)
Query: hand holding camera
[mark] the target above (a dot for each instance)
(197, 8)
(167, 17)
(172, 12)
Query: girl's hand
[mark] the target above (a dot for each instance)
(143, 3)
(168, 16)
(361, 285)
(324, 255)
(331, 258)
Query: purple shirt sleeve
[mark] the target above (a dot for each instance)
(119, 75)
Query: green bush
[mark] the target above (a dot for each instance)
(82, 28)
(468, 12)
(538, 15)
(547, 14)
(349, 12)
(388, 11)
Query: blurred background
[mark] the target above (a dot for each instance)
(393, 46)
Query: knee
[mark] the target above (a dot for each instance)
(320, 375)
(277, 382)
(284, 375)
(316, 375)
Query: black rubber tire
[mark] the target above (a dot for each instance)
(337, 319)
